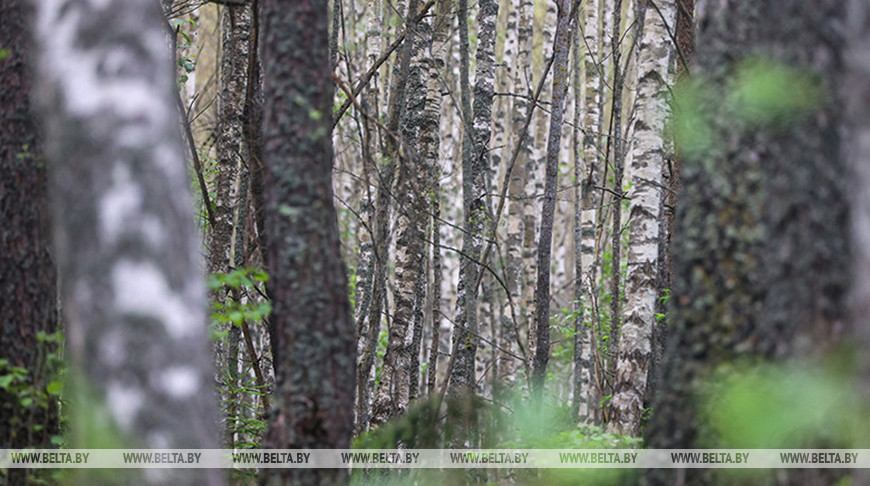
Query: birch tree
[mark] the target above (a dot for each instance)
(396, 374)
(647, 161)
(475, 163)
(313, 339)
(132, 288)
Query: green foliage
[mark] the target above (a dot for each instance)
(764, 92)
(761, 93)
(4, 53)
(232, 312)
(37, 394)
(187, 62)
(243, 409)
(785, 406)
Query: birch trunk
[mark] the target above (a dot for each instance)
(635, 345)
(515, 269)
(475, 164)
(132, 288)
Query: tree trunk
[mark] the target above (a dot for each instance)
(475, 163)
(761, 258)
(394, 387)
(313, 340)
(27, 273)
(561, 50)
(635, 343)
(132, 290)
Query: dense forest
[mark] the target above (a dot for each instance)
(435, 224)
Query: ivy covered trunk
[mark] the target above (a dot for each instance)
(132, 284)
(761, 256)
(313, 338)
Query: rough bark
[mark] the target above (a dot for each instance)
(376, 208)
(231, 146)
(412, 203)
(231, 154)
(647, 161)
(761, 259)
(561, 50)
(313, 340)
(616, 141)
(132, 290)
(27, 273)
(514, 265)
(474, 166)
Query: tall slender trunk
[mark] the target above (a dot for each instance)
(376, 205)
(407, 105)
(561, 50)
(582, 344)
(616, 141)
(635, 344)
(231, 155)
(474, 165)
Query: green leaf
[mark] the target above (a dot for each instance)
(55, 387)
(259, 275)
(5, 381)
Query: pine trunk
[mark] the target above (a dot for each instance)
(313, 339)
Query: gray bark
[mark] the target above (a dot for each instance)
(474, 189)
(761, 258)
(561, 50)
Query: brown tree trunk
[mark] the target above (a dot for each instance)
(313, 339)
(28, 279)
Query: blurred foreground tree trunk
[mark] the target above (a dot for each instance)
(313, 338)
(761, 255)
(132, 284)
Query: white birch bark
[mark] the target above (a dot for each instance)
(635, 345)
(132, 287)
